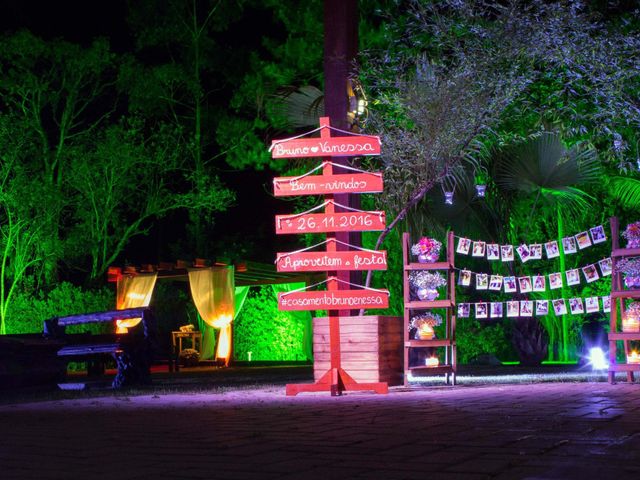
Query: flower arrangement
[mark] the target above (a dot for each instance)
(189, 357)
(631, 318)
(428, 280)
(427, 318)
(427, 249)
(424, 323)
(630, 268)
(632, 234)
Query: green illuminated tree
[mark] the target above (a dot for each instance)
(22, 217)
(124, 179)
(57, 92)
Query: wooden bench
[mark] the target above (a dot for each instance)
(131, 351)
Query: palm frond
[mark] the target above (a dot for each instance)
(300, 106)
(543, 164)
(626, 190)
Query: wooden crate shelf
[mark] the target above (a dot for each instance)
(411, 307)
(429, 343)
(426, 305)
(428, 266)
(618, 295)
(439, 370)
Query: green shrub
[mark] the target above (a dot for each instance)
(474, 338)
(27, 312)
(265, 331)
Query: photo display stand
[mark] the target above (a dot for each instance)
(338, 295)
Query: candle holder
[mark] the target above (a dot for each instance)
(432, 362)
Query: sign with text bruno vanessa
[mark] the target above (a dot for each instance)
(354, 146)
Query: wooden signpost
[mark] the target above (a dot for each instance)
(339, 295)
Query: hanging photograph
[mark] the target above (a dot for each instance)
(496, 309)
(495, 282)
(542, 307)
(573, 277)
(463, 310)
(590, 273)
(535, 251)
(464, 244)
(552, 249)
(481, 310)
(493, 251)
(525, 284)
(576, 306)
(506, 252)
(513, 309)
(583, 240)
(569, 245)
(478, 249)
(597, 234)
(464, 278)
(523, 252)
(482, 281)
(526, 308)
(605, 266)
(606, 303)
(592, 304)
(539, 283)
(559, 306)
(555, 280)
(510, 285)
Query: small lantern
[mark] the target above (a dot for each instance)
(432, 362)
(633, 357)
(481, 190)
(631, 318)
(448, 198)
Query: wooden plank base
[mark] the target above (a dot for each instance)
(336, 381)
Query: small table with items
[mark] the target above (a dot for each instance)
(177, 348)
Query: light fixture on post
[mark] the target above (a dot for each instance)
(358, 111)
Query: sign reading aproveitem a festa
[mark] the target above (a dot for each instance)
(323, 261)
(326, 147)
(327, 184)
(330, 222)
(333, 300)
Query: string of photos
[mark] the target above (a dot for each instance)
(526, 252)
(534, 283)
(529, 308)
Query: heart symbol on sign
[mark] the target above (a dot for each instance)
(314, 149)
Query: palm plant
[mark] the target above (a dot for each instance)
(543, 170)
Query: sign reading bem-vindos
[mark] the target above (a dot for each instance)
(327, 184)
(330, 222)
(338, 261)
(333, 300)
(326, 147)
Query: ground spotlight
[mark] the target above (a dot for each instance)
(598, 359)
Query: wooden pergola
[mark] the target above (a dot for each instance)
(246, 273)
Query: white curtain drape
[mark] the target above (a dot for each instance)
(133, 291)
(212, 290)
